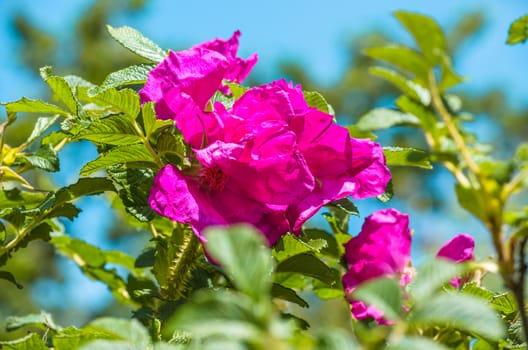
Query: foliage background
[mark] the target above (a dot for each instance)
(314, 44)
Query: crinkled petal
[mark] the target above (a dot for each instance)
(196, 72)
(181, 198)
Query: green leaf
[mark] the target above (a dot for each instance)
(449, 77)
(44, 158)
(518, 32)
(33, 106)
(331, 246)
(384, 294)
(432, 276)
(42, 124)
(133, 75)
(220, 314)
(335, 339)
(326, 292)
(242, 252)
(473, 289)
(383, 118)
(290, 245)
(471, 200)
(72, 337)
(346, 205)
(134, 41)
(407, 157)
(8, 276)
(309, 265)
(61, 89)
(15, 198)
(150, 122)
(388, 194)
(236, 89)
(504, 303)
(427, 34)
(426, 117)
(134, 188)
(458, 311)
(32, 341)
(130, 333)
(42, 320)
(288, 294)
(410, 88)
(67, 210)
(125, 100)
(416, 343)
(83, 187)
(119, 155)
(113, 130)
(316, 100)
(402, 57)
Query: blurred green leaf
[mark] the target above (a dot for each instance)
(42, 320)
(407, 157)
(416, 343)
(410, 88)
(222, 314)
(383, 118)
(384, 294)
(133, 75)
(242, 252)
(32, 341)
(134, 41)
(129, 334)
(504, 303)
(518, 32)
(288, 294)
(402, 57)
(458, 311)
(431, 276)
(119, 155)
(335, 339)
(8, 276)
(309, 265)
(427, 34)
(426, 117)
(471, 200)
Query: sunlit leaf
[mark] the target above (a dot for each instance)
(119, 155)
(407, 157)
(134, 41)
(410, 88)
(33, 106)
(402, 57)
(518, 32)
(383, 118)
(132, 75)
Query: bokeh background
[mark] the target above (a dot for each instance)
(314, 43)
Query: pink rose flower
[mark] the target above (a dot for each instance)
(270, 160)
(459, 249)
(382, 249)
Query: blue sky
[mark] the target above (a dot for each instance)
(314, 33)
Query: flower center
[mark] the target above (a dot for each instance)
(212, 178)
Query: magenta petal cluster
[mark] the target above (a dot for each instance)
(459, 249)
(382, 249)
(269, 160)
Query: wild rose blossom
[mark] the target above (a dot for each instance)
(270, 160)
(382, 249)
